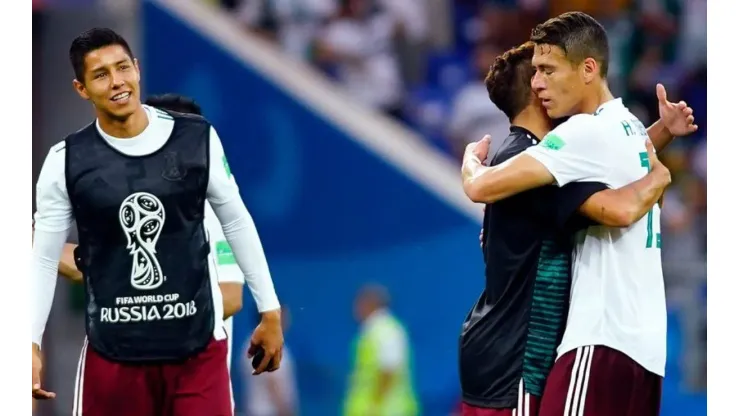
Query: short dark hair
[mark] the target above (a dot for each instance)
(175, 102)
(509, 81)
(92, 40)
(578, 34)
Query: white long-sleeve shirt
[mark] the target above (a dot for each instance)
(54, 219)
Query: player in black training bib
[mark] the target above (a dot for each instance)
(136, 182)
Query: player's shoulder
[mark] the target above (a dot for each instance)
(76, 136)
(59, 147)
(516, 142)
(57, 152)
(177, 116)
(577, 122)
(54, 165)
(580, 128)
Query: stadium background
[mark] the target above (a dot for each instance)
(348, 189)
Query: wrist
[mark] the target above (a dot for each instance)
(470, 157)
(271, 316)
(661, 177)
(471, 163)
(661, 133)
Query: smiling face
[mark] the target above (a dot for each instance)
(110, 80)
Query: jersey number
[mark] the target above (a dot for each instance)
(653, 239)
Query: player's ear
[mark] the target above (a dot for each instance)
(589, 70)
(80, 88)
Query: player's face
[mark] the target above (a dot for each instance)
(557, 81)
(111, 82)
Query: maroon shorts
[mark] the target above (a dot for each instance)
(527, 405)
(199, 386)
(600, 381)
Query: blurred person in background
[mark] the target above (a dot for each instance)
(381, 382)
(274, 393)
(114, 176)
(472, 114)
(684, 262)
(412, 30)
(292, 24)
(358, 44)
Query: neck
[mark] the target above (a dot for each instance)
(533, 120)
(593, 102)
(130, 127)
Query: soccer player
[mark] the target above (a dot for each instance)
(612, 356)
(230, 277)
(135, 181)
(509, 337)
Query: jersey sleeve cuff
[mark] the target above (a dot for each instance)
(266, 305)
(231, 277)
(549, 162)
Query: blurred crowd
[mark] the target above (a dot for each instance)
(422, 62)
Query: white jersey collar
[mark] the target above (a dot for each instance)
(609, 105)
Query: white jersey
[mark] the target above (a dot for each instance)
(54, 219)
(618, 294)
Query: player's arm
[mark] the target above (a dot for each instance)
(232, 295)
(624, 206)
(230, 276)
(67, 265)
(568, 154)
(241, 233)
(239, 229)
(660, 135)
(53, 220)
(488, 184)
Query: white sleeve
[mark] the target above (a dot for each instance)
(238, 228)
(336, 36)
(391, 347)
(573, 151)
(228, 269)
(53, 220)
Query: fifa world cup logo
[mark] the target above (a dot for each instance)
(142, 218)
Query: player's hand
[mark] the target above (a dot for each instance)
(657, 168)
(269, 336)
(480, 238)
(678, 118)
(36, 365)
(480, 148)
